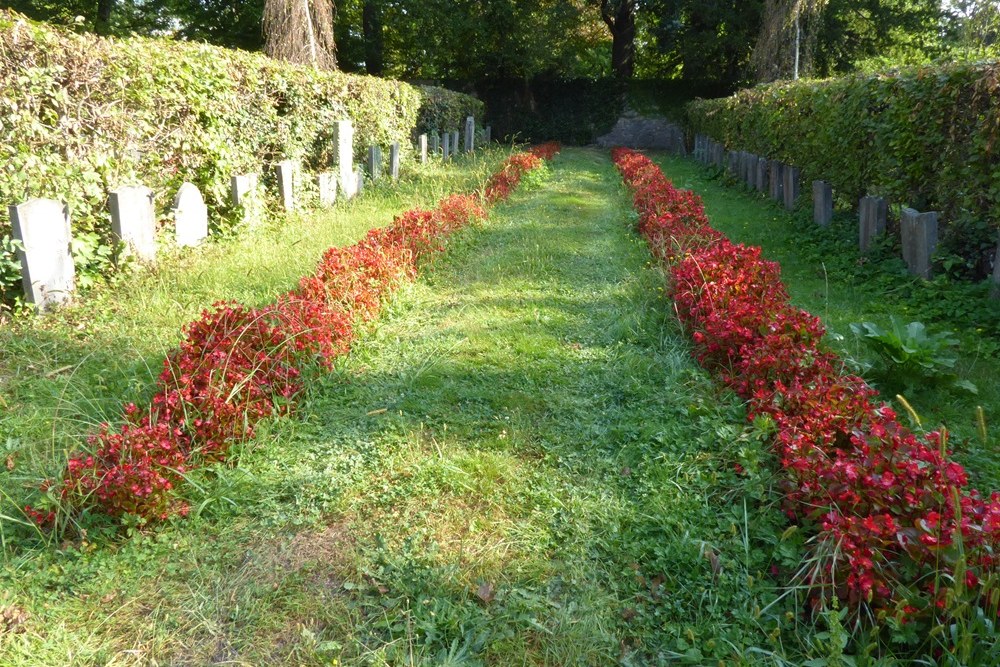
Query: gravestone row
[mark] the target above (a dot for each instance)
(918, 231)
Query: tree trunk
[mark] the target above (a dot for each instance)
(102, 25)
(371, 26)
(619, 15)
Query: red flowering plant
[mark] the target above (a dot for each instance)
(238, 365)
(891, 512)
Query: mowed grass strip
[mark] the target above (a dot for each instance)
(826, 275)
(64, 373)
(520, 465)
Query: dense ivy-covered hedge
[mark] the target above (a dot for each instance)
(925, 137)
(80, 115)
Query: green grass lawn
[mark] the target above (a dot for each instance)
(826, 276)
(520, 464)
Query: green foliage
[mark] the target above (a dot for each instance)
(80, 115)
(922, 137)
(911, 355)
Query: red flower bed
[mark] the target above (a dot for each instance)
(238, 365)
(897, 527)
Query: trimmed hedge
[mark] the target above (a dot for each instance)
(80, 115)
(926, 137)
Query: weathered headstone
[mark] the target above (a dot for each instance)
(435, 143)
(394, 160)
(47, 270)
(454, 143)
(343, 137)
(242, 188)
(359, 180)
(919, 236)
(190, 216)
(422, 144)
(327, 188)
(763, 165)
(374, 162)
(873, 215)
(285, 172)
(791, 186)
(446, 146)
(133, 220)
(777, 180)
(750, 171)
(822, 203)
(488, 134)
(470, 134)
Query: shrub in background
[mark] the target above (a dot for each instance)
(927, 137)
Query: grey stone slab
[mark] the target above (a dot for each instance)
(374, 163)
(47, 270)
(327, 188)
(470, 134)
(919, 236)
(763, 167)
(455, 146)
(343, 138)
(446, 146)
(243, 188)
(394, 161)
(359, 180)
(873, 216)
(133, 220)
(190, 216)
(488, 134)
(777, 180)
(285, 173)
(435, 143)
(791, 186)
(422, 147)
(822, 203)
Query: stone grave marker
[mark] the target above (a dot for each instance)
(327, 188)
(47, 270)
(446, 146)
(394, 160)
(791, 186)
(422, 144)
(873, 215)
(435, 143)
(243, 193)
(488, 134)
(822, 203)
(919, 235)
(133, 220)
(190, 216)
(285, 172)
(455, 148)
(359, 180)
(374, 162)
(762, 168)
(470, 134)
(777, 180)
(343, 138)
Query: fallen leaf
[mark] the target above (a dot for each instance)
(10, 462)
(485, 593)
(12, 619)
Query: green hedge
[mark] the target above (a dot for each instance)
(925, 137)
(80, 115)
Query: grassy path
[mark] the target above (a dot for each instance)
(519, 466)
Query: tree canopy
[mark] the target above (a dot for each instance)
(469, 41)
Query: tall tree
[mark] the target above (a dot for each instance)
(372, 29)
(102, 25)
(619, 16)
(787, 39)
(300, 31)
